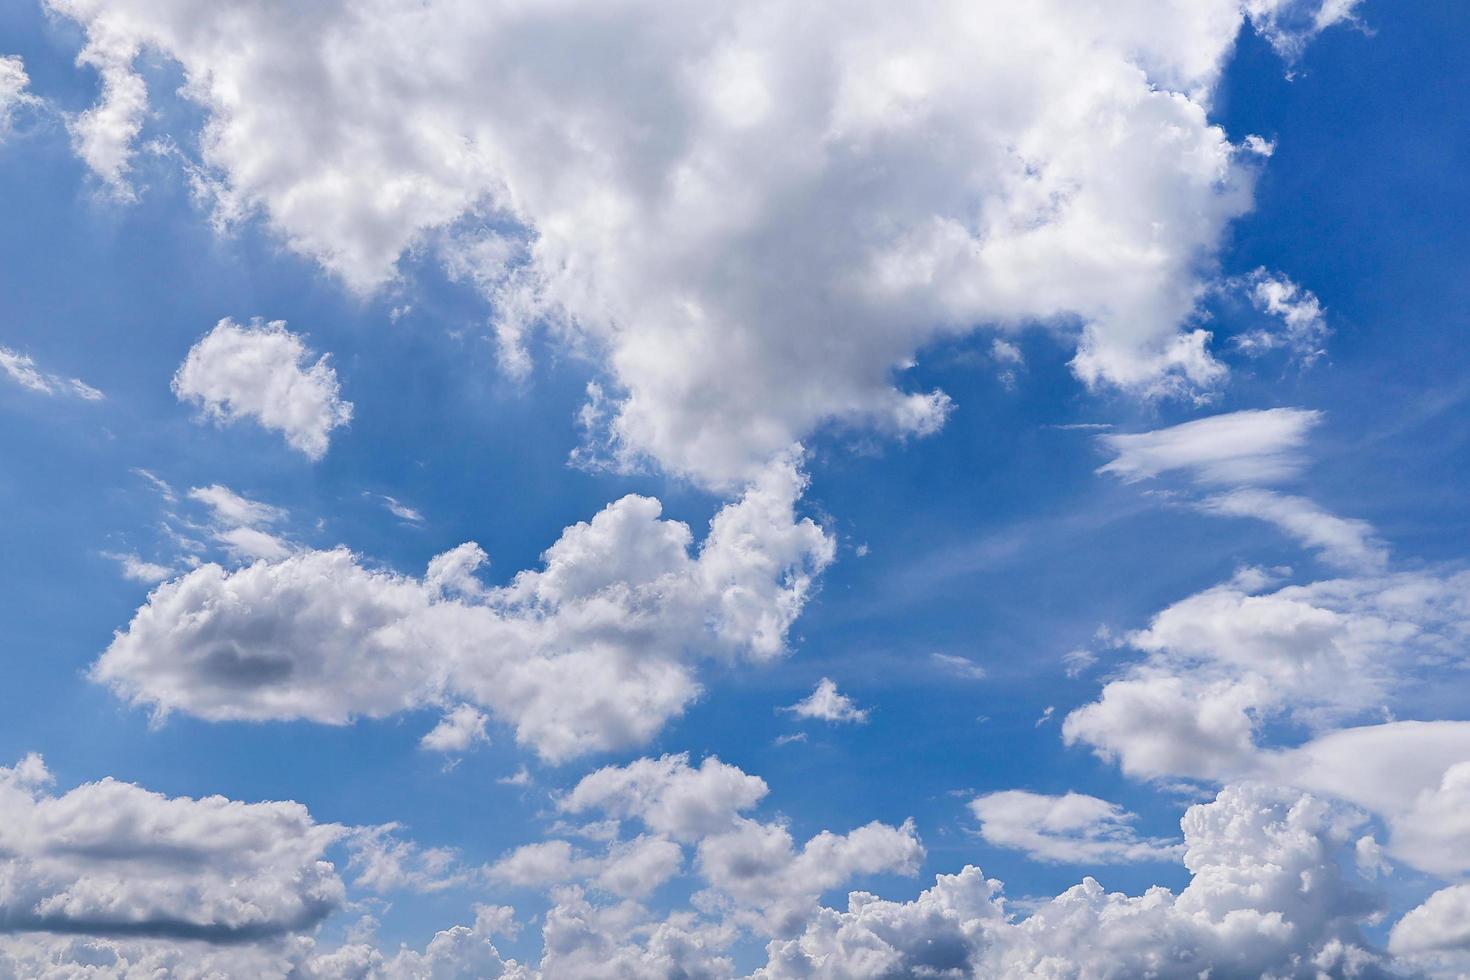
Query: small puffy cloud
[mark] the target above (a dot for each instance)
(594, 650)
(265, 373)
(1303, 329)
(825, 703)
(22, 369)
(457, 730)
(668, 795)
(1253, 446)
(1072, 828)
(135, 569)
(113, 859)
(1341, 541)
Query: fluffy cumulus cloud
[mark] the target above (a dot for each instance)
(755, 215)
(596, 649)
(112, 859)
(265, 373)
(1222, 663)
(1073, 827)
(1266, 898)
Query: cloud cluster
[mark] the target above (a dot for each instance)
(264, 372)
(754, 216)
(594, 650)
(1266, 898)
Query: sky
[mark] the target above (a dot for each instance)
(586, 490)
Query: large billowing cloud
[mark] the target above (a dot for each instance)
(113, 859)
(754, 214)
(594, 650)
(265, 373)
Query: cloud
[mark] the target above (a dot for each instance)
(14, 83)
(401, 510)
(1414, 775)
(756, 216)
(826, 704)
(754, 869)
(1342, 541)
(135, 569)
(594, 650)
(239, 524)
(1072, 828)
(668, 795)
(21, 369)
(113, 859)
(1266, 898)
(1223, 663)
(457, 730)
(959, 666)
(1303, 330)
(1253, 446)
(262, 372)
(1441, 924)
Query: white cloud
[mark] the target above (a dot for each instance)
(1303, 330)
(1073, 828)
(595, 650)
(668, 795)
(1290, 24)
(825, 703)
(14, 83)
(457, 730)
(1266, 898)
(110, 858)
(755, 870)
(401, 510)
(1228, 660)
(1441, 924)
(1253, 446)
(238, 524)
(1415, 776)
(264, 372)
(759, 214)
(959, 666)
(1342, 541)
(21, 369)
(135, 569)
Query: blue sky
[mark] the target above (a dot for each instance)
(1243, 220)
